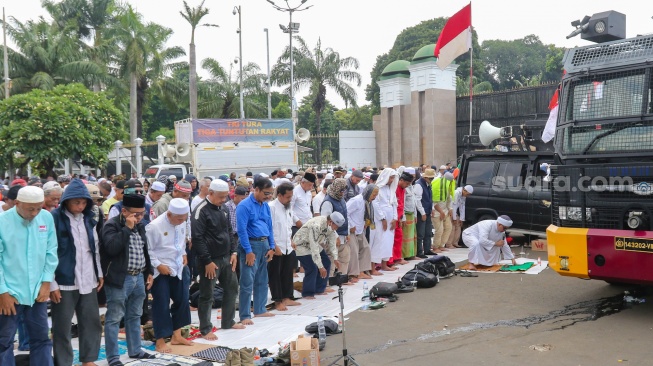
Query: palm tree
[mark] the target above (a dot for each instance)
(193, 16)
(221, 91)
(144, 60)
(462, 86)
(318, 69)
(93, 18)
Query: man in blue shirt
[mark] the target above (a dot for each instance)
(255, 250)
(28, 259)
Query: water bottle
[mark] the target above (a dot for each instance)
(366, 297)
(321, 332)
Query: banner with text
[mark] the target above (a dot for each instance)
(242, 130)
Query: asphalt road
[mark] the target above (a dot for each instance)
(494, 319)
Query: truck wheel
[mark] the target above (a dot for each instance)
(486, 217)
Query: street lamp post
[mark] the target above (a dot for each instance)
(267, 82)
(292, 28)
(237, 9)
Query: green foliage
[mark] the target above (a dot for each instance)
(68, 121)
(282, 110)
(355, 118)
(169, 134)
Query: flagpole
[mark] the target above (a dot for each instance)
(471, 70)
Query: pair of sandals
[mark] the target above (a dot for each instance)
(465, 273)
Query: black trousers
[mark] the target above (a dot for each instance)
(280, 276)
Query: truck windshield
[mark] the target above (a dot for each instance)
(604, 100)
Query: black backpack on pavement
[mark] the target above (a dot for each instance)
(444, 265)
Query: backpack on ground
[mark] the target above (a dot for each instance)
(422, 278)
(384, 290)
(445, 266)
(217, 298)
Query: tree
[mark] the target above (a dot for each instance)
(316, 70)
(220, 93)
(193, 16)
(46, 56)
(408, 42)
(69, 121)
(355, 118)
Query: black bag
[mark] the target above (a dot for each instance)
(330, 327)
(217, 298)
(424, 279)
(403, 288)
(427, 267)
(383, 289)
(445, 266)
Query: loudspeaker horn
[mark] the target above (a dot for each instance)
(183, 150)
(168, 151)
(302, 135)
(488, 133)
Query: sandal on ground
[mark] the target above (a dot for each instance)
(467, 274)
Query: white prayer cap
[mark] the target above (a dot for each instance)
(289, 176)
(323, 171)
(337, 218)
(51, 184)
(469, 189)
(329, 176)
(410, 170)
(250, 180)
(443, 167)
(367, 174)
(448, 176)
(218, 185)
(283, 180)
(503, 220)
(30, 194)
(158, 186)
(178, 206)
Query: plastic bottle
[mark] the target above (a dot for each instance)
(321, 332)
(366, 297)
(539, 261)
(257, 357)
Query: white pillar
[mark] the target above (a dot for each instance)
(118, 157)
(82, 168)
(66, 166)
(29, 170)
(161, 142)
(139, 157)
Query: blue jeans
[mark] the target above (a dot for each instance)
(36, 322)
(23, 335)
(313, 283)
(253, 279)
(124, 302)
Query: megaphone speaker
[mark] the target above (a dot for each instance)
(169, 151)
(302, 135)
(183, 149)
(488, 133)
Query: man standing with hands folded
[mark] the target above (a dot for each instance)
(213, 241)
(28, 259)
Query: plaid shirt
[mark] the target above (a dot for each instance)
(232, 214)
(136, 253)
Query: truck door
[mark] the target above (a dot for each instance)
(478, 174)
(508, 195)
(541, 198)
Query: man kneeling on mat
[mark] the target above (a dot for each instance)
(486, 241)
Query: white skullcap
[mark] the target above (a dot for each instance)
(329, 176)
(443, 167)
(469, 189)
(448, 176)
(283, 180)
(51, 184)
(250, 180)
(218, 185)
(263, 175)
(158, 186)
(337, 218)
(503, 220)
(367, 174)
(178, 206)
(289, 176)
(410, 170)
(30, 194)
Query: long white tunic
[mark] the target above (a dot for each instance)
(301, 204)
(381, 241)
(282, 222)
(166, 245)
(480, 240)
(458, 205)
(356, 214)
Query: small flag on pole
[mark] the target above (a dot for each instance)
(550, 127)
(455, 38)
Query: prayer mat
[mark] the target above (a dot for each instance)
(122, 349)
(480, 268)
(218, 354)
(518, 267)
(164, 360)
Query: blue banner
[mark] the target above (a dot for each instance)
(242, 130)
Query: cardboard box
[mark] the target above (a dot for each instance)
(305, 351)
(538, 245)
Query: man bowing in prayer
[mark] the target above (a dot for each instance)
(486, 241)
(166, 238)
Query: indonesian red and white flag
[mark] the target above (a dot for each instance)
(455, 38)
(550, 127)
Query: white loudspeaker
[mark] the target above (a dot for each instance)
(168, 151)
(183, 150)
(488, 133)
(302, 135)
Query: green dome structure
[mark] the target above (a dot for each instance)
(397, 68)
(425, 54)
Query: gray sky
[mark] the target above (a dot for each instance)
(361, 29)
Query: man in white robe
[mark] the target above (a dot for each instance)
(486, 241)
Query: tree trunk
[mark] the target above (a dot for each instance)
(318, 121)
(192, 90)
(133, 103)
